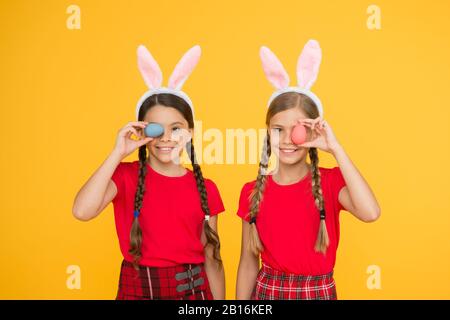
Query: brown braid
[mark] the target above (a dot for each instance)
(136, 232)
(322, 241)
(211, 236)
(256, 197)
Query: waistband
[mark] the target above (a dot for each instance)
(278, 274)
(180, 266)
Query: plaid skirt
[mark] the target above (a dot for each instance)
(180, 282)
(272, 284)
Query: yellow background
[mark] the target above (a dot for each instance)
(65, 93)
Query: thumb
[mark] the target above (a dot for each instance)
(144, 141)
(307, 145)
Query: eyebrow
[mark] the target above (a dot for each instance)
(277, 125)
(177, 122)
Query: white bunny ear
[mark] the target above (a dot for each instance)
(149, 68)
(273, 68)
(184, 68)
(308, 64)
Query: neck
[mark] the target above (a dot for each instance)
(168, 169)
(291, 173)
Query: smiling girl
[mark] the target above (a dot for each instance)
(291, 216)
(165, 214)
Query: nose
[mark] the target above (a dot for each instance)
(166, 136)
(285, 137)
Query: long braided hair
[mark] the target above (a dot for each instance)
(170, 100)
(283, 102)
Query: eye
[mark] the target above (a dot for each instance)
(277, 129)
(176, 128)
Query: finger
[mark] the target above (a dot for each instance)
(306, 120)
(317, 127)
(307, 124)
(140, 127)
(144, 141)
(125, 130)
(140, 132)
(319, 131)
(316, 122)
(130, 131)
(307, 145)
(137, 123)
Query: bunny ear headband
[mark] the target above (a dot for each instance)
(307, 70)
(152, 75)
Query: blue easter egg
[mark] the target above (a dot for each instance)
(154, 130)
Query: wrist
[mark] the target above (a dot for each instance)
(115, 156)
(336, 149)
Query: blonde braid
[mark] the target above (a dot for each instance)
(322, 241)
(256, 197)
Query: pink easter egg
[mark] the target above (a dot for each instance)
(298, 134)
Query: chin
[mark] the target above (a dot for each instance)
(164, 158)
(289, 161)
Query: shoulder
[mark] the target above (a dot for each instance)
(332, 176)
(126, 169)
(127, 166)
(329, 172)
(211, 185)
(325, 170)
(247, 188)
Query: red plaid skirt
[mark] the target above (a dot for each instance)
(272, 284)
(181, 282)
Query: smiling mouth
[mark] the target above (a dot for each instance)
(288, 150)
(165, 149)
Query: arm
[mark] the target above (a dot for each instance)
(215, 274)
(248, 267)
(100, 190)
(357, 197)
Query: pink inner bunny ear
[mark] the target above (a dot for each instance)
(308, 64)
(149, 68)
(184, 68)
(273, 69)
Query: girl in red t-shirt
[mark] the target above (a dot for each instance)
(165, 214)
(291, 215)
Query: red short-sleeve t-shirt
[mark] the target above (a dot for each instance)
(288, 222)
(171, 217)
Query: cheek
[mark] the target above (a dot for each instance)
(180, 136)
(302, 152)
(275, 139)
(151, 146)
(286, 136)
(280, 137)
